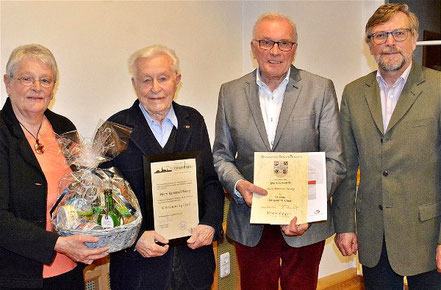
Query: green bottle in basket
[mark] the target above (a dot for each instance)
(109, 218)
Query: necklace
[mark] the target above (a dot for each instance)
(39, 148)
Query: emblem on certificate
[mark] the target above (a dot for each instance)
(280, 168)
(172, 187)
(296, 186)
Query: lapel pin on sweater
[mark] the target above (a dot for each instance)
(187, 127)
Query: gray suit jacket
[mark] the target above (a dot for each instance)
(399, 195)
(308, 122)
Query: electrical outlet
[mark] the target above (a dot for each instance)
(224, 264)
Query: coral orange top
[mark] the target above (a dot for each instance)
(54, 166)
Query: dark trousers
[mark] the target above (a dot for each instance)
(383, 277)
(262, 266)
(72, 280)
(177, 279)
(130, 271)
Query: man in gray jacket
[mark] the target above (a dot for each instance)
(276, 108)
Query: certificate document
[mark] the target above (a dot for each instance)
(174, 188)
(296, 185)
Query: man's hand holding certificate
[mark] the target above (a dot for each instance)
(296, 186)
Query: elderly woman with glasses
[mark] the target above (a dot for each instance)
(32, 255)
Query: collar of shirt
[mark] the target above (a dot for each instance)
(400, 81)
(264, 86)
(161, 132)
(271, 104)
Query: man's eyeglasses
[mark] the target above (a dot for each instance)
(267, 44)
(397, 34)
(29, 81)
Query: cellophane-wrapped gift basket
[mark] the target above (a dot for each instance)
(97, 201)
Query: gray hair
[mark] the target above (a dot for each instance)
(31, 50)
(276, 16)
(151, 51)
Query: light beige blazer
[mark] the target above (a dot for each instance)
(399, 195)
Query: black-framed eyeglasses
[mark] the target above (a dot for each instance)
(398, 34)
(29, 81)
(284, 45)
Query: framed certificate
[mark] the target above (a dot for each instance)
(173, 188)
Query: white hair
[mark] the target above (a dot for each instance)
(276, 16)
(151, 51)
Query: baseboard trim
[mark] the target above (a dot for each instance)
(335, 281)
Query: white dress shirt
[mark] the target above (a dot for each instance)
(270, 105)
(389, 95)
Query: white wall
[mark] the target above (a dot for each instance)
(92, 41)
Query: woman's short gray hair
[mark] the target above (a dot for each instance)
(31, 50)
(151, 51)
